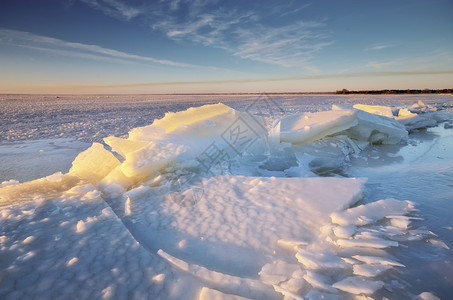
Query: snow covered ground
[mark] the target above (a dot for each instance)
(261, 197)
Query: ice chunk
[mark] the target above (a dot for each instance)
(80, 190)
(277, 271)
(211, 294)
(291, 244)
(150, 159)
(420, 105)
(358, 285)
(426, 296)
(94, 164)
(307, 127)
(207, 121)
(384, 111)
(377, 260)
(116, 178)
(303, 168)
(370, 270)
(371, 212)
(38, 189)
(287, 293)
(327, 153)
(416, 122)
(366, 243)
(404, 113)
(124, 146)
(344, 231)
(293, 284)
(439, 243)
(377, 129)
(401, 222)
(319, 281)
(72, 261)
(320, 260)
(317, 295)
(180, 121)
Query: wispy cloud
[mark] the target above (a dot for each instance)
(295, 10)
(439, 59)
(116, 8)
(249, 34)
(291, 45)
(382, 64)
(379, 46)
(61, 47)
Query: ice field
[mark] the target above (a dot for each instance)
(226, 197)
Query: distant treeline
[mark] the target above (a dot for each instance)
(379, 92)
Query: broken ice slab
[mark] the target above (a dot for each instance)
(377, 129)
(358, 285)
(308, 127)
(379, 110)
(43, 188)
(94, 164)
(372, 212)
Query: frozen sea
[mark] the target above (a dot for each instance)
(83, 242)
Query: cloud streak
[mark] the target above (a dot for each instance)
(65, 48)
(379, 46)
(115, 8)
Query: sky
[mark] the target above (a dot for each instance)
(214, 46)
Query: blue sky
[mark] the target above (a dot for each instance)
(181, 46)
